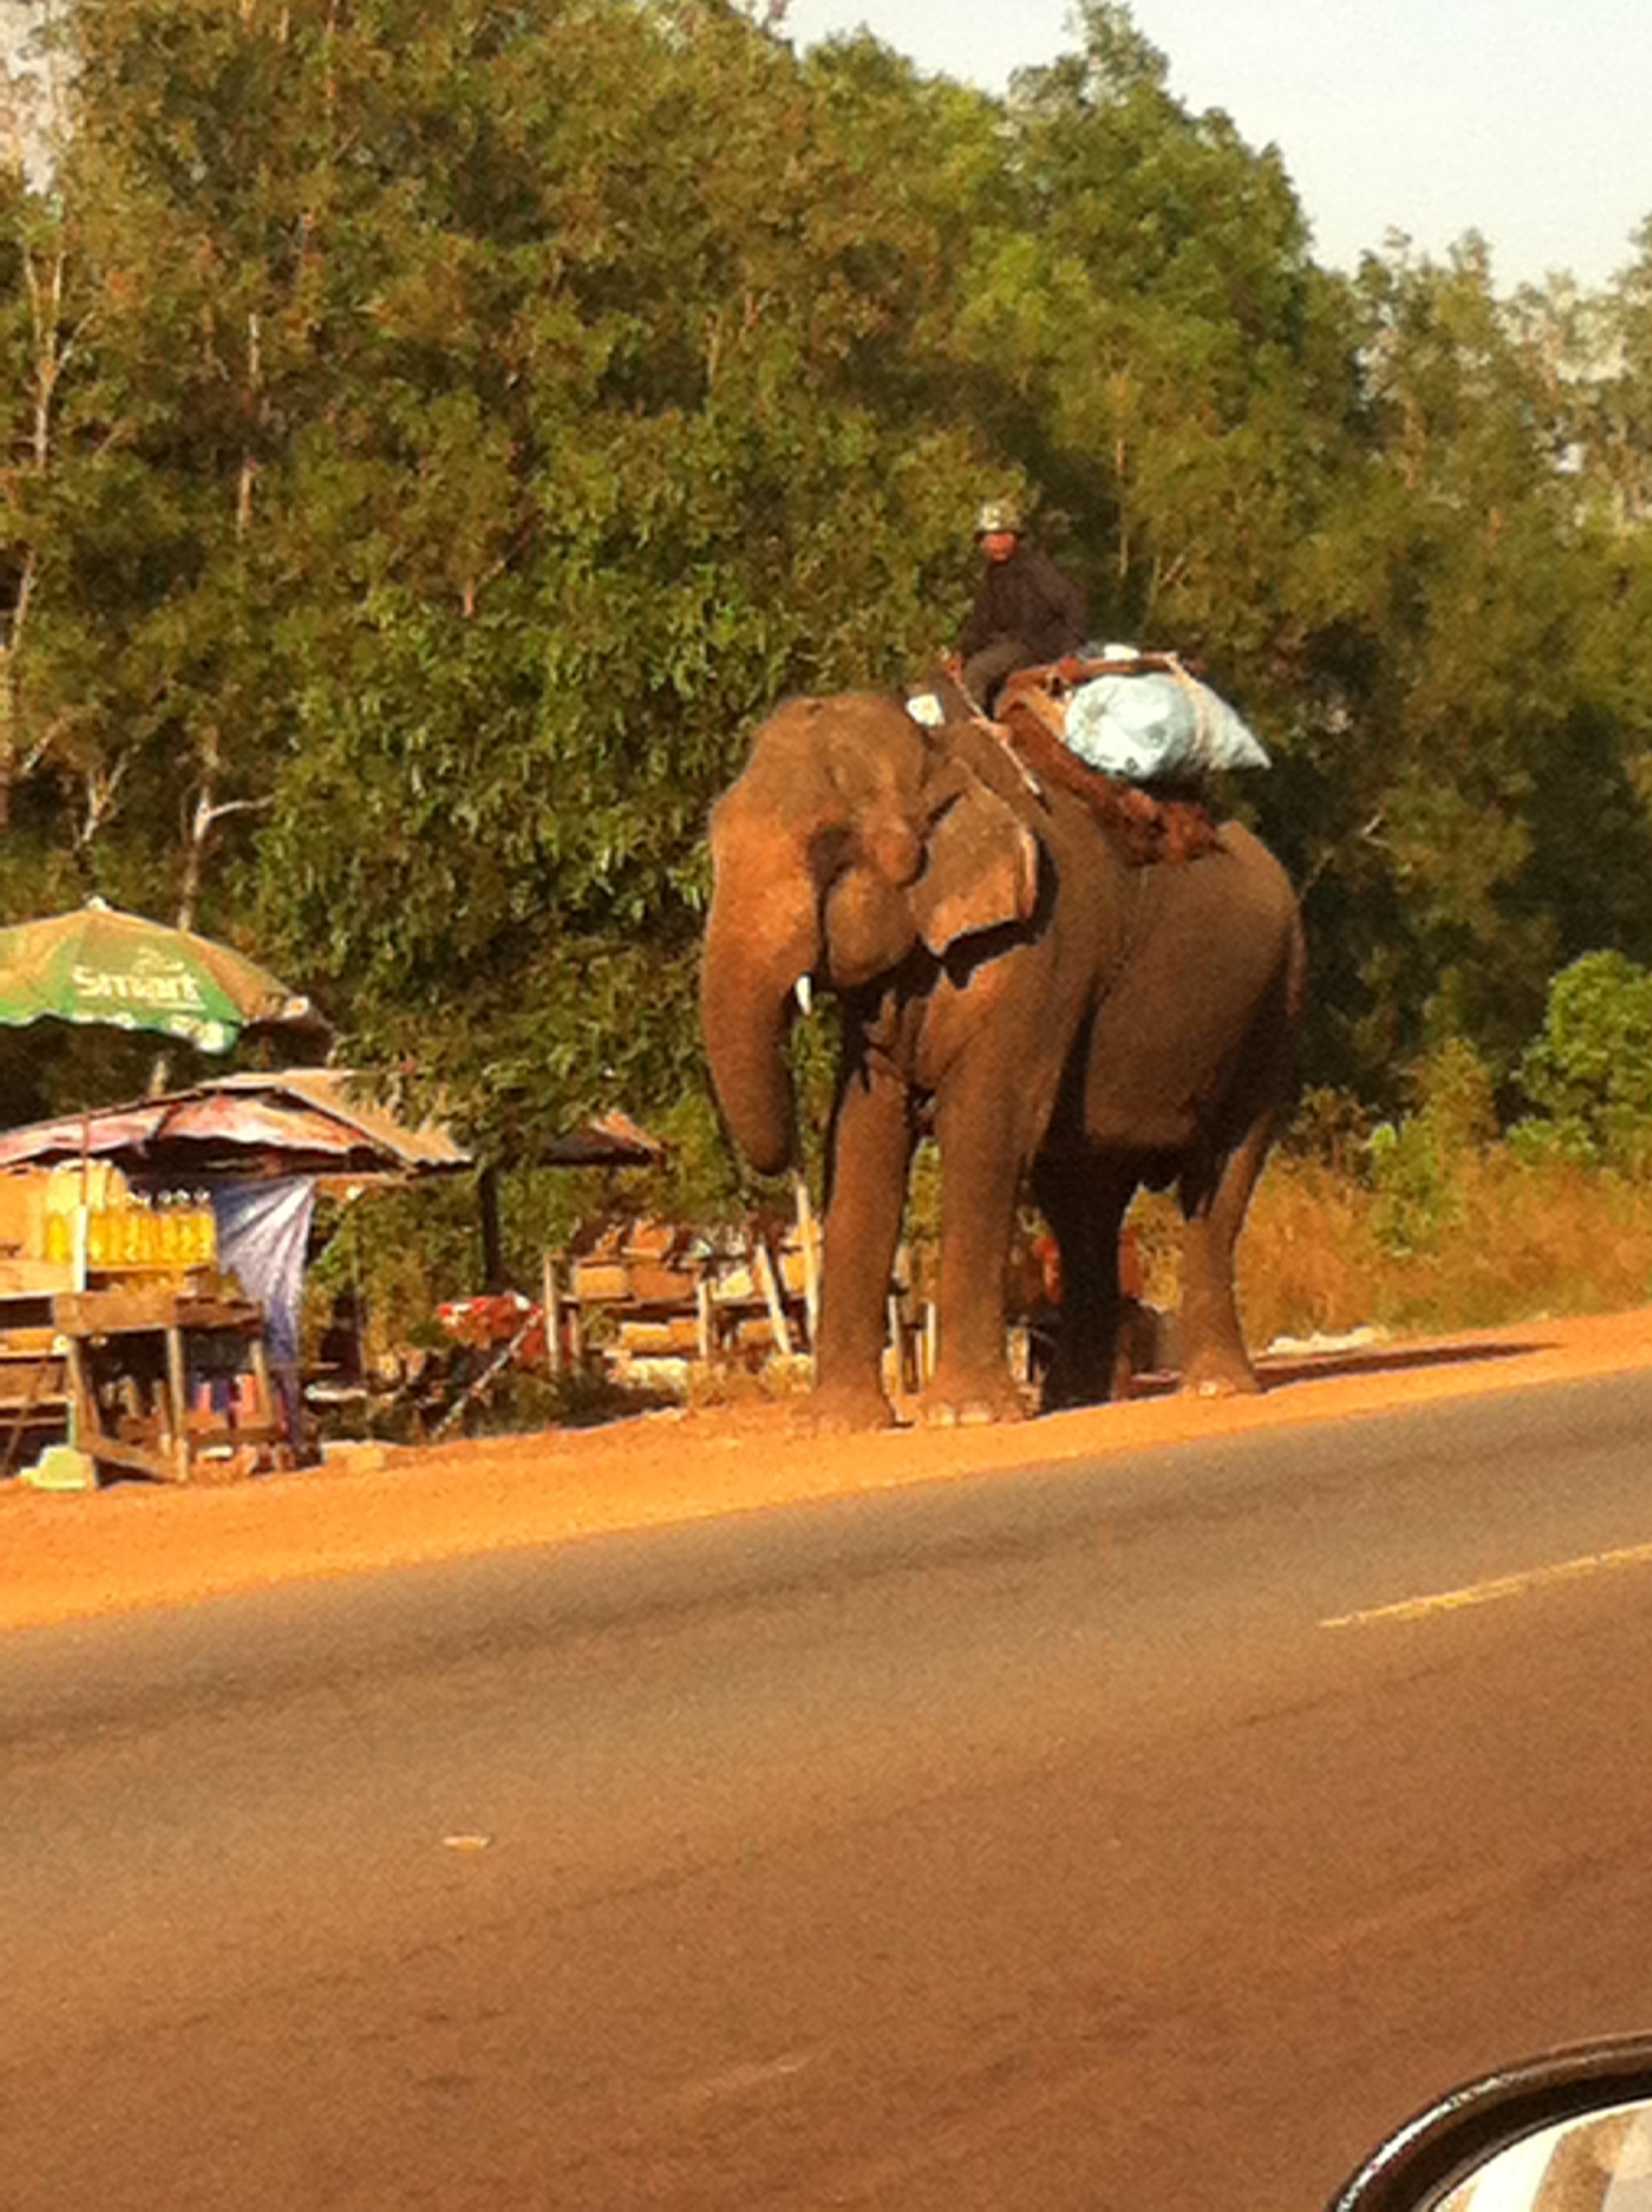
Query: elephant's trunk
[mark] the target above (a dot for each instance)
(761, 937)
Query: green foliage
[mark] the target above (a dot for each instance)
(1589, 1072)
(1330, 1128)
(1467, 796)
(1161, 352)
(1415, 1165)
(393, 1256)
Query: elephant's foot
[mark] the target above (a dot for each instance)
(837, 1409)
(1096, 1364)
(962, 1401)
(1065, 1393)
(1097, 1381)
(1220, 1375)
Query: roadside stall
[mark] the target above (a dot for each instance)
(152, 1265)
(111, 1297)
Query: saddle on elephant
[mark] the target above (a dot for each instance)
(1163, 819)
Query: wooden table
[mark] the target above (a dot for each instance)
(128, 1352)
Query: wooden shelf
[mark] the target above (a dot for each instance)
(113, 1362)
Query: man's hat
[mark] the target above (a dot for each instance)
(999, 515)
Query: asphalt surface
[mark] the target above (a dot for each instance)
(1108, 1836)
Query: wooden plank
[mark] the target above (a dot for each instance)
(653, 1285)
(130, 1311)
(27, 1343)
(652, 1338)
(38, 1406)
(202, 1436)
(146, 1430)
(117, 1452)
(26, 1378)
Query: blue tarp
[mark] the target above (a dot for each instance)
(264, 1231)
(1158, 724)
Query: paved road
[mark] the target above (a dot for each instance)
(1098, 1838)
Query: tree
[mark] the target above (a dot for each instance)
(1166, 356)
(663, 456)
(1477, 820)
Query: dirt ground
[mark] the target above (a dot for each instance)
(136, 1544)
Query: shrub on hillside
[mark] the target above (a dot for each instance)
(1589, 1072)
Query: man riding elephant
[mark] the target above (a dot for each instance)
(1026, 612)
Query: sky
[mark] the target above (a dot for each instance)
(1528, 122)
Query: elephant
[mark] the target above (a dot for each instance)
(1009, 981)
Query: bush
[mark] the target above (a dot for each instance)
(1416, 1165)
(1589, 1072)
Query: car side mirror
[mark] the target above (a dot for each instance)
(1570, 2132)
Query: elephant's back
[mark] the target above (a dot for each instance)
(1247, 870)
(1233, 910)
(1205, 978)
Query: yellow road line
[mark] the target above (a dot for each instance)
(1488, 1593)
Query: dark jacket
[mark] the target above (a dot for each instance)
(1028, 598)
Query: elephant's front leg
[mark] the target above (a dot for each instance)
(871, 1150)
(983, 1149)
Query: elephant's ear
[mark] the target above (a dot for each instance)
(981, 869)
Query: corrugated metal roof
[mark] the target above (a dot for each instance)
(313, 1119)
(295, 1120)
(341, 1094)
(611, 1139)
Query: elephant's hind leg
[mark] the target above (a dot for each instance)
(1215, 1362)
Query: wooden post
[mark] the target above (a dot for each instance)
(283, 1418)
(702, 1319)
(493, 1246)
(897, 1338)
(809, 1239)
(764, 1267)
(178, 1401)
(550, 1297)
(83, 1403)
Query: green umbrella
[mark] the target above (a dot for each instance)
(118, 970)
